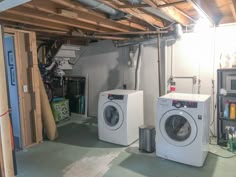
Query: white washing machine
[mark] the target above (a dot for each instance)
(182, 128)
(120, 113)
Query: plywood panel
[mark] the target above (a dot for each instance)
(5, 119)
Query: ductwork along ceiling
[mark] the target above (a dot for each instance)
(115, 19)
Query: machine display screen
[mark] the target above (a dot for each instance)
(115, 97)
(184, 104)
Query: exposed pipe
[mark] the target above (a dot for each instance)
(159, 63)
(138, 66)
(100, 6)
(132, 33)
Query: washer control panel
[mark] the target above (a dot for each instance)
(184, 104)
(115, 97)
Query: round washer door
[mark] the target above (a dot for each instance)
(178, 128)
(112, 115)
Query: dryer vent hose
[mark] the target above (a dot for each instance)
(138, 66)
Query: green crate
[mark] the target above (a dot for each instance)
(60, 110)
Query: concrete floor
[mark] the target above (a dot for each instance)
(78, 153)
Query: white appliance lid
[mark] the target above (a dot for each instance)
(187, 97)
(121, 92)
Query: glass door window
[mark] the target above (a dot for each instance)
(178, 127)
(112, 115)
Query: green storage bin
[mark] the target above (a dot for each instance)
(60, 110)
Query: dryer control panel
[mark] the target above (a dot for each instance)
(184, 104)
(115, 97)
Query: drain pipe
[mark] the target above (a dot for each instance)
(138, 66)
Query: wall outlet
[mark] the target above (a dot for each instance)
(25, 88)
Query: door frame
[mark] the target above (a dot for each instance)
(37, 120)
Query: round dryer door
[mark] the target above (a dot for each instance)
(112, 115)
(178, 128)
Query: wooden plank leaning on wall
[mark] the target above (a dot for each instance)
(27, 70)
(5, 135)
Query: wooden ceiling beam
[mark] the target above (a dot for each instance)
(207, 9)
(87, 17)
(134, 25)
(233, 8)
(33, 13)
(234, 4)
(34, 22)
(174, 13)
(172, 4)
(140, 14)
(74, 5)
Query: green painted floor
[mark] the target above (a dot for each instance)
(78, 153)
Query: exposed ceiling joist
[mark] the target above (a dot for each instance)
(207, 9)
(78, 8)
(234, 4)
(32, 13)
(140, 14)
(34, 22)
(233, 8)
(174, 13)
(201, 12)
(92, 17)
(133, 25)
(82, 17)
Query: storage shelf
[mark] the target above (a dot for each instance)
(227, 119)
(222, 122)
(228, 95)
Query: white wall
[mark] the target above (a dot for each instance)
(108, 69)
(104, 65)
(198, 54)
(148, 81)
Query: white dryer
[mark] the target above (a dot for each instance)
(182, 127)
(120, 113)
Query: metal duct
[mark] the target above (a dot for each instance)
(135, 1)
(7, 4)
(138, 66)
(113, 13)
(152, 10)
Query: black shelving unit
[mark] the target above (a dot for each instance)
(76, 93)
(223, 122)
